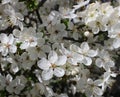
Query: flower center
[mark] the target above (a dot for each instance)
(53, 66)
(7, 45)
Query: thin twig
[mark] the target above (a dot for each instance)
(71, 39)
(38, 15)
(41, 3)
(37, 10)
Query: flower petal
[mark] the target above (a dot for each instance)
(24, 45)
(44, 64)
(92, 53)
(52, 57)
(4, 38)
(90, 81)
(87, 61)
(5, 51)
(99, 62)
(116, 43)
(14, 68)
(98, 91)
(1, 47)
(95, 30)
(85, 46)
(75, 48)
(33, 44)
(61, 60)
(77, 57)
(72, 61)
(13, 48)
(98, 82)
(47, 74)
(59, 72)
(11, 39)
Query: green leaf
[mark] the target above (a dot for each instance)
(65, 21)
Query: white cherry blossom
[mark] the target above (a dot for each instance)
(7, 44)
(93, 89)
(80, 4)
(52, 65)
(104, 60)
(115, 33)
(34, 64)
(28, 37)
(85, 51)
(67, 13)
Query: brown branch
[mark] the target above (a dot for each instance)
(72, 39)
(41, 3)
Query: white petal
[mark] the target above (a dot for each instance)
(4, 38)
(90, 81)
(92, 53)
(75, 48)
(40, 41)
(47, 74)
(33, 44)
(95, 30)
(87, 61)
(20, 24)
(49, 92)
(116, 43)
(24, 45)
(14, 68)
(116, 28)
(71, 16)
(26, 65)
(76, 36)
(60, 27)
(64, 51)
(98, 82)
(9, 78)
(110, 63)
(106, 66)
(5, 51)
(46, 48)
(72, 61)
(85, 46)
(99, 62)
(13, 48)
(33, 53)
(44, 64)
(1, 48)
(41, 54)
(5, 1)
(59, 72)
(77, 57)
(77, 6)
(11, 39)
(70, 25)
(63, 95)
(61, 60)
(98, 91)
(19, 16)
(52, 57)
(81, 4)
(113, 74)
(106, 76)
(16, 33)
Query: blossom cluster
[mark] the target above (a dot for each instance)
(60, 49)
